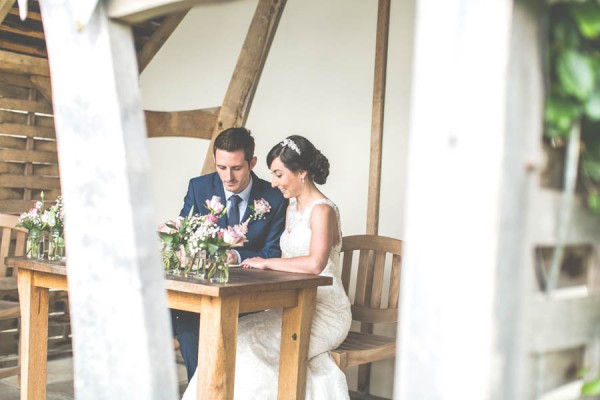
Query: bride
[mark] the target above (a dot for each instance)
(310, 244)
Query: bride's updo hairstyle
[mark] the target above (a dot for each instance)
(298, 154)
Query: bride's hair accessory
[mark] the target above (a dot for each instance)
(291, 144)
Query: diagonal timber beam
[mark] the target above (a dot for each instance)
(196, 123)
(248, 69)
(42, 84)
(134, 11)
(158, 39)
(5, 6)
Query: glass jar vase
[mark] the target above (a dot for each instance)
(190, 264)
(169, 258)
(55, 245)
(218, 269)
(34, 247)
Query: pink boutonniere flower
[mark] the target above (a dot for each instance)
(260, 208)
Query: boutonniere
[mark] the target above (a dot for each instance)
(260, 208)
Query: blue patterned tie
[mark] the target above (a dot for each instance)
(234, 210)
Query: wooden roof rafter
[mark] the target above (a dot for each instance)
(5, 7)
(27, 37)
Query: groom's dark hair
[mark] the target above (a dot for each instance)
(235, 139)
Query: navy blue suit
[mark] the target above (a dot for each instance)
(263, 234)
(263, 241)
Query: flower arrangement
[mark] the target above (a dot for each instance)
(199, 237)
(174, 235)
(39, 220)
(34, 223)
(32, 220)
(54, 218)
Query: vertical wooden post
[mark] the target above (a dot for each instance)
(243, 84)
(381, 50)
(121, 329)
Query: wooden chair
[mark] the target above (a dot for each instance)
(375, 255)
(12, 242)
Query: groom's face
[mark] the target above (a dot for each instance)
(233, 169)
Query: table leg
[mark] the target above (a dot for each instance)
(295, 338)
(33, 350)
(216, 348)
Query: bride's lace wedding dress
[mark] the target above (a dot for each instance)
(257, 357)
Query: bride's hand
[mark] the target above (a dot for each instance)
(255, 262)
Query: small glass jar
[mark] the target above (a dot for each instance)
(219, 269)
(169, 258)
(190, 266)
(54, 242)
(203, 266)
(34, 247)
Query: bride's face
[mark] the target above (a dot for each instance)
(285, 180)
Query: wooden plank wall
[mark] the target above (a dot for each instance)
(28, 166)
(28, 155)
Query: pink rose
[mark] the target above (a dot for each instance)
(211, 219)
(261, 206)
(163, 228)
(234, 237)
(38, 205)
(176, 222)
(214, 205)
(170, 227)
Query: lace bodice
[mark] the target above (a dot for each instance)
(295, 240)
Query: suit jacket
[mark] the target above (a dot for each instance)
(263, 234)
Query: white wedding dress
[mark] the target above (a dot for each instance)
(257, 357)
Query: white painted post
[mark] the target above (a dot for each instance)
(465, 272)
(121, 330)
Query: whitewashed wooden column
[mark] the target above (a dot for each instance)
(464, 276)
(121, 328)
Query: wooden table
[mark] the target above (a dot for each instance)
(247, 290)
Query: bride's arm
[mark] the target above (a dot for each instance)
(323, 226)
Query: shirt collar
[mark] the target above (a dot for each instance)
(244, 194)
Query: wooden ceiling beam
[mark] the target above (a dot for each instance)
(5, 6)
(248, 70)
(34, 15)
(135, 11)
(15, 79)
(31, 51)
(195, 123)
(22, 64)
(158, 39)
(30, 33)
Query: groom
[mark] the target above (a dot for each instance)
(238, 187)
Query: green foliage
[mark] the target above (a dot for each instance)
(591, 387)
(573, 95)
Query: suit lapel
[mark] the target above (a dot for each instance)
(255, 193)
